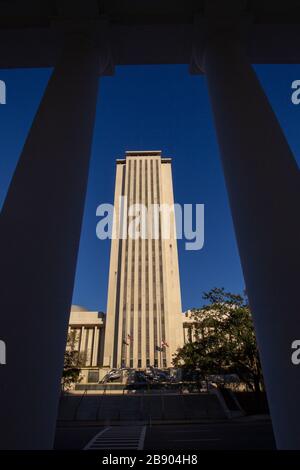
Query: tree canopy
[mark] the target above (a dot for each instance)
(224, 339)
(72, 364)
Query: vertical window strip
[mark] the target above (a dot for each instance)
(154, 275)
(124, 326)
(162, 326)
(140, 274)
(120, 276)
(131, 343)
(147, 271)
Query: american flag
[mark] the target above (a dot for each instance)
(164, 344)
(129, 337)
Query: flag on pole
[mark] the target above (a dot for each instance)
(125, 342)
(164, 344)
(129, 337)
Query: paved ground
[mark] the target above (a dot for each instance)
(75, 437)
(119, 437)
(244, 433)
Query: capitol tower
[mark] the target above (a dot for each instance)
(144, 313)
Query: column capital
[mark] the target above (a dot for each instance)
(95, 31)
(220, 21)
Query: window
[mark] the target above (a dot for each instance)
(93, 376)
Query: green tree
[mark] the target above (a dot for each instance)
(225, 340)
(72, 363)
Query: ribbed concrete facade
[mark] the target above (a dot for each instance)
(144, 319)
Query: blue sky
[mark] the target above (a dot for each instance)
(143, 108)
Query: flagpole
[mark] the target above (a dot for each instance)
(160, 348)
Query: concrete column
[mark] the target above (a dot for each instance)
(143, 242)
(82, 346)
(135, 280)
(262, 180)
(130, 274)
(40, 231)
(89, 346)
(95, 346)
(150, 267)
(123, 285)
(114, 318)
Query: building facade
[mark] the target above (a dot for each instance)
(144, 319)
(86, 332)
(189, 331)
(87, 336)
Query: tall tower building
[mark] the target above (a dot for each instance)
(144, 314)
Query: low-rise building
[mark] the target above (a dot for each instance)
(87, 329)
(87, 332)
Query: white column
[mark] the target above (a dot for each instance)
(40, 231)
(89, 346)
(123, 285)
(130, 274)
(114, 316)
(95, 346)
(82, 346)
(150, 266)
(156, 180)
(136, 274)
(143, 242)
(263, 186)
